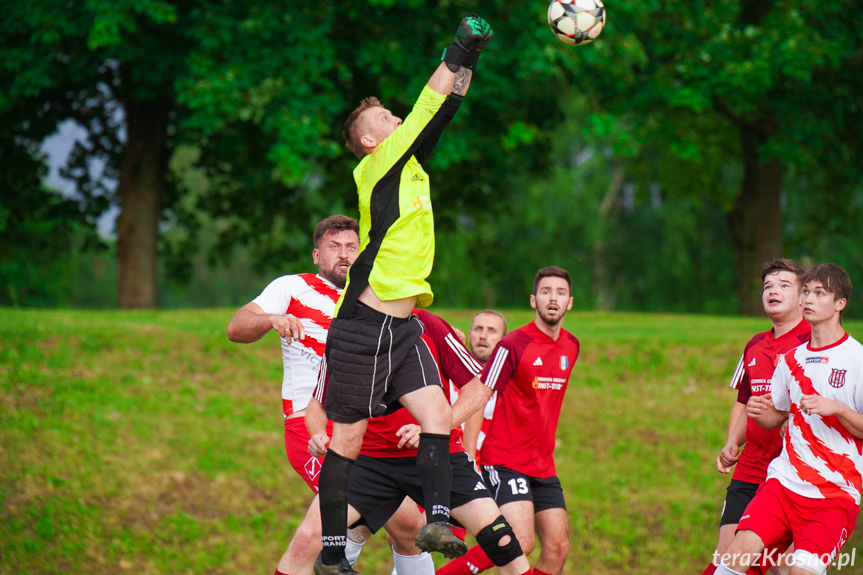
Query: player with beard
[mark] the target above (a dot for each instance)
(300, 308)
(780, 296)
(530, 370)
(486, 330)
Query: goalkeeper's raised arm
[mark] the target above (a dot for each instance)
(460, 58)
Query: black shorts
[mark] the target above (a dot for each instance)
(378, 485)
(372, 360)
(508, 486)
(737, 497)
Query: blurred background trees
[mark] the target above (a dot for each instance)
(661, 164)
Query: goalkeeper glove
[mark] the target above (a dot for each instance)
(472, 36)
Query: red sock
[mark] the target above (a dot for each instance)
(474, 561)
(711, 569)
(459, 532)
(538, 572)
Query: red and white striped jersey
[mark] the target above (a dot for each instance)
(820, 458)
(530, 371)
(312, 300)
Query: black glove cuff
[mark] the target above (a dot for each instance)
(454, 56)
(470, 59)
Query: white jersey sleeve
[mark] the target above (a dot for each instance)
(276, 297)
(780, 386)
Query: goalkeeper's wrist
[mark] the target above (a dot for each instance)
(453, 56)
(470, 59)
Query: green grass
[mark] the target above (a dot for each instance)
(145, 442)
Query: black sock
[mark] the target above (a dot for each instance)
(333, 491)
(435, 474)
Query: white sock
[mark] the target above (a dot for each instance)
(421, 564)
(723, 570)
(352, 550)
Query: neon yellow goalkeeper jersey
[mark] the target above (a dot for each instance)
(396, 222)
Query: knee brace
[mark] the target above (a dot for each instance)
(809, 561)
(489, 540)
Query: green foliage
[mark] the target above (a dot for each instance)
(258, 93)
(39, 230)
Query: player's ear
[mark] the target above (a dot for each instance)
(368, 141)
(841, 303)
(569, 305)
(533, 301)
(316, 256)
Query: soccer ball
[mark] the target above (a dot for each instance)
(576, 21)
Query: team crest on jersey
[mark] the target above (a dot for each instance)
(837, 377)
(313, 467)
(818, 360)
(564, 362)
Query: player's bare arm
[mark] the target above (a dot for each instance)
(760, 408)
(471, 399)
(251, 323)
(316, 424)
(460, 58)
(729, 454)
(818, 405)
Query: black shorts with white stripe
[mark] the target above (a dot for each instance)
(378, 485)
(372, 360)
(507, 486)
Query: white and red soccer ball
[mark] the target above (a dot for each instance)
(576, 22)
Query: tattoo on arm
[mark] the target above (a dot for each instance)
(462, 81)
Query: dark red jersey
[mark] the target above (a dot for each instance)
(752, 377)
(530, 371)
(456, 364)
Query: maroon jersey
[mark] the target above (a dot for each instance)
(456, 364)
(530, 371)
(752, 377)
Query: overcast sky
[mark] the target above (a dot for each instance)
(58, 147)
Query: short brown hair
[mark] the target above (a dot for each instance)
(490, 312)
(551, 272)
(833, 278)
(781, 265)
(333, 225)
(353, 126)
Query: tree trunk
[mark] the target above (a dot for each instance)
(756, 219)
(605, 298)
(140, 190)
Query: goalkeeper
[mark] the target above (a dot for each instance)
(374, 356)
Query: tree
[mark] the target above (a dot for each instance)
(255, 93)
(769, 88)
(38, 230)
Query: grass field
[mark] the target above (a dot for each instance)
(147, 443)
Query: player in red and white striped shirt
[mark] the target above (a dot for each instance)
(530, 370)
(780, 296)
(812, 492)
(300, 308)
